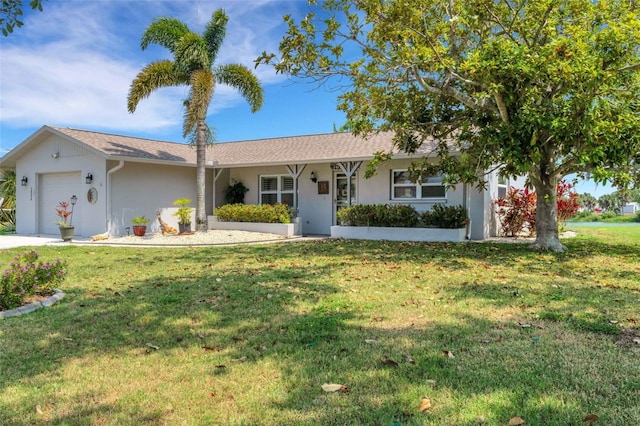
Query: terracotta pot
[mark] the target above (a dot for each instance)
(139, 230)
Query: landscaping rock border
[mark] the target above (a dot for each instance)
(49, 301)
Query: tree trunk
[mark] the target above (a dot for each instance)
(547, 237)
(201, 154)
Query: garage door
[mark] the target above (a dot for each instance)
(52, 189)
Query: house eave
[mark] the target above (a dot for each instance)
(150, 161)
(397, 156)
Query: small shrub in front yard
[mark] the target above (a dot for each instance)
(256, 213)
(441, 216)
(517, 212)
(26, 277)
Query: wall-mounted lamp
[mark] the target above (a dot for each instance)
(89, 179)
(24, 181)
(313, 177)
(55, 155)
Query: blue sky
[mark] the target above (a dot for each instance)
(71, 66)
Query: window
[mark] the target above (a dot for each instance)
(276, 189)
(402, 188)
(503, 184)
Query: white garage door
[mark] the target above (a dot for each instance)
(52, 189)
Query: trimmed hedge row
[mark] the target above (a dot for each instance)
(403, 216)
(392, 215)
(256, 213)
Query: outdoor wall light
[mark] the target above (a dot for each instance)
(313, 177)
(89, 179)
(55, 155)
(24, 181)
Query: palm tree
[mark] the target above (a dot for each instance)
(8, 196)
(193, 65)
(8, 188)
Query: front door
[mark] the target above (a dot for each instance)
(342, 197)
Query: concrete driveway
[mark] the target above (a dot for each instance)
(14, 240)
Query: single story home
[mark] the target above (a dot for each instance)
(631, 208)
(116, 178)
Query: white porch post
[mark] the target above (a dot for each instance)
(216, 175)
(295, 173)
(349, 169)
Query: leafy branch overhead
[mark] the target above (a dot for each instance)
(533, 87)
(11, 14)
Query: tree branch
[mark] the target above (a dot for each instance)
(631, 67)
(502, 107)
(430, 85)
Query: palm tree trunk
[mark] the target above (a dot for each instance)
(201, 154)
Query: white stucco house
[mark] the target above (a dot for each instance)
(631, 208)
(116, 178)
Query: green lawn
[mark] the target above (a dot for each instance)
(248, 335)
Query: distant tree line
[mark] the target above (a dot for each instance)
(610, 202)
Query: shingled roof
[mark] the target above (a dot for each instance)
(321, 148)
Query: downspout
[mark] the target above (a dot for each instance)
(108, 192)
(466, 201)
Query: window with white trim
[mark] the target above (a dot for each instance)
(503, 185)
(402, 188)
(276, 189)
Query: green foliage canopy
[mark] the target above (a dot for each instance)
(545, 88)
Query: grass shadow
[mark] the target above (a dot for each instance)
(247, 335)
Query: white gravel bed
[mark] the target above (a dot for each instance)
(211, 237)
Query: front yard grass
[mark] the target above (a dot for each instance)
(248, 335)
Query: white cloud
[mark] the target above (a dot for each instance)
(73, 63)
(55, 85)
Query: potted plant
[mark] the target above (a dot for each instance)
(65, 212)
(139, 225)
(183, 214)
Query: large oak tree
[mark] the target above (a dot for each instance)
(544, 88)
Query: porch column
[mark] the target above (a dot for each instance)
(295, 172)
(216, 175)
(349, 169)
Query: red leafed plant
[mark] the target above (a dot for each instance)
(65, 213)
(567, 201)
(517, 210)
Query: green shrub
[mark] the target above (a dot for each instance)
(637, 219)
(28, 277)
(584, 216)
(608, 214)
(396, 215)
(260, 213)
(234, 194)
(441, 216)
